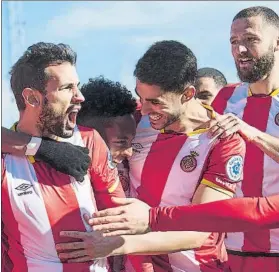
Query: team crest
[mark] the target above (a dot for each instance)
(189, 162)
(234, 168)
(277, 119)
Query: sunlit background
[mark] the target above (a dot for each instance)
(109, 37)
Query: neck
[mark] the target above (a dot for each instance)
(268, 84)
(193, 117)
(28, 125)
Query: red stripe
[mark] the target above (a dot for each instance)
(255, 114)
(13, 258)
(156, 168)
(154, 177)
(62, 207)
(220, 102)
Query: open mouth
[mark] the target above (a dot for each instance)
(245, 62)
(154, 117)
(72, 116)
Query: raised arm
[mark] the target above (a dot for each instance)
(64, 157)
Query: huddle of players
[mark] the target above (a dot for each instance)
(168, 99)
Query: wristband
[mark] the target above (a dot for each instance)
(33, 146)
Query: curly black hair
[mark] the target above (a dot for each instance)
(215, 74)
(168, 64)
(268, 15)
(105, 98)
(29, 70)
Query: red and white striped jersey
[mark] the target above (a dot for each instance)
(166, 169)
(38, 202)
(261, 173)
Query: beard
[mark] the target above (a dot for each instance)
(53, 123)
(261, 68)
(169, 121)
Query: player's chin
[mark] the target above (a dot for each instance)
(68, 131)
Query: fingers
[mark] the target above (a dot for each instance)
(80, 260)
(226, 123)
(74, 234)
(73, 254)
(86, 217)
(104, 222)
(111, 227)
(230, 131)
(72, 246)
(109, 212)
(122, 201)
(118, 232)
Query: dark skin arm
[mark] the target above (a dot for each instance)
(14, 142)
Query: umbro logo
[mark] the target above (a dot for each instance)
(137, 147)
(23, 188)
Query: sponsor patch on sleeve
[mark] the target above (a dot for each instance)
(234, 168)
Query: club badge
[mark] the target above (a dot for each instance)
(234, 168)
(189, 162)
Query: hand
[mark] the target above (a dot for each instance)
(65, 157)
(131, 218)
(92, 246)
(227, 124)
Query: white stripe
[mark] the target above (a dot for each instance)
(237, 102)
(180, 188)
(145, 136)
(35, 229)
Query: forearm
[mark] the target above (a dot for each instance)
(14, 142)
(268, 144)
(155, 243)
(234, 215)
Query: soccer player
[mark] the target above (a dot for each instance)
(174, 162)
(109, 107)
(37, 201)
(252, 109)
(209, 82)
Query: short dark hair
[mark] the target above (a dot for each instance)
(168, 64)
(29, 70)
(268, 15)
(104, 99)
(215, 74)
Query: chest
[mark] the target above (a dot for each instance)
(166, 169)
(42, 199)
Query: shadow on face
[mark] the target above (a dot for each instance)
(206, 90)
(119, 135)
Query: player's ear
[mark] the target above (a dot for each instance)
(189, 93)
(31, 97)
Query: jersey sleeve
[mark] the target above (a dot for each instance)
(233, 215)
(224, 167)
(104, 174)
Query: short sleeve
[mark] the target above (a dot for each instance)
(224, 168)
